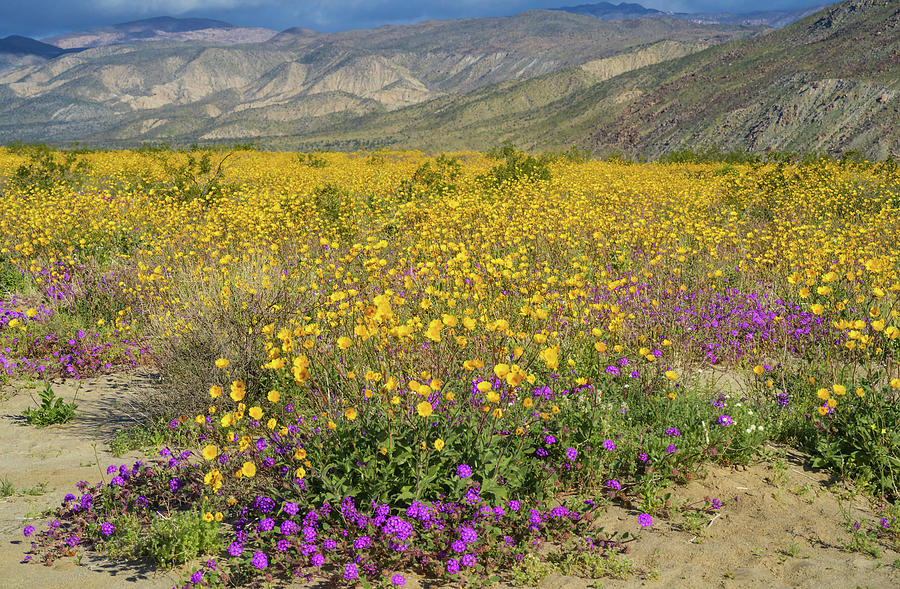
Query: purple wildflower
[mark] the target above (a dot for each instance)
(351, 572)
(266, 524)
(260, 560)
(468, 535)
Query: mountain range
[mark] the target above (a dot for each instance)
(301, 81)
(163, 28)
(827, 83)
(625, 10)
(543, 79)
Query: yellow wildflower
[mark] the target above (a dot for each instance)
(424, 409)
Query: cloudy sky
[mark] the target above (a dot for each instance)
(41, 18)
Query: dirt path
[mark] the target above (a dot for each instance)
(781, 524)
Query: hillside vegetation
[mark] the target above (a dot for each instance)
(300, 81)
(826, 83)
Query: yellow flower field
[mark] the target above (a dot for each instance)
(400, 326)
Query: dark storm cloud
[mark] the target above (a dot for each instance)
(41, 18)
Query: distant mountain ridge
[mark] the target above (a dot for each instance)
(164, 28)
(18, 51)
(609, 11)
(625, 10)
(301, 81)
(18, 45)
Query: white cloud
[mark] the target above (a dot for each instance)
(177, 6)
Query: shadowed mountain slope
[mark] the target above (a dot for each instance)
(17, 51)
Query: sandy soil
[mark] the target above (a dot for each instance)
(57, 457)
(781, 524)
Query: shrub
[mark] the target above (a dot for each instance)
(435, 178)
(518, 167)
(165, 540)
(53, 410)
(312, 160)
(709, 155)
(859, 436)
(47, 169)
(336, 208)
(197, 178)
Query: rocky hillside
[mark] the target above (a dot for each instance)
(829, 82)
(301, 81)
